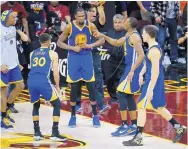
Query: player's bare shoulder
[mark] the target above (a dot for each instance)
(92, 27)
(135, 38)
(53, 55)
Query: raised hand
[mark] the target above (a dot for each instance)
(97, 34)
(4, 68)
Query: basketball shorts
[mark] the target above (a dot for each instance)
(12, 76)
(80, 67)
(158, 100)
(130, 87)
(40, 85)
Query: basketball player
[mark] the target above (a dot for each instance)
(129, 84)
(153, 92)
(80, 64)
(39, 83)
(9, 66)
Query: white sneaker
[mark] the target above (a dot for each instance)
(166, 62)
(181, 60)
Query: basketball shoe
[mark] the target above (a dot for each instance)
(5, 124)
(179, 132)
(96, 122)
(72, 122)
(37, 135)
(56, 136)
(136, 141)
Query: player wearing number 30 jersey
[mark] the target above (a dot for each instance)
(39, 83)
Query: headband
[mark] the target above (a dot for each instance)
(4, 16)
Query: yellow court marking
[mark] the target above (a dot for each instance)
(5, 142)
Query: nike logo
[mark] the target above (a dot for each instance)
(122, 131)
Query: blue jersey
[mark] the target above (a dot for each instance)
(80, 36)
(130, 53)
(149, 66)
(40, 62)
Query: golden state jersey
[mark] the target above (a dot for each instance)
(80, 36)
(131, 54)
(40, 62)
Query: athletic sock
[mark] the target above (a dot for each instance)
(134, 122)
(173, 121)
(73, 110)
(9, 105)
(94, 109)
(36, 123)
(139, 130)
(55, 124)
(3, 115)
(124, 122)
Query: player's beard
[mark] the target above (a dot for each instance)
(81, 22)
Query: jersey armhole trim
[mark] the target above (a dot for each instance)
(50, 54)
(70, 29)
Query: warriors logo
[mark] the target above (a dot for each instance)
(20, 140)
(81, 40)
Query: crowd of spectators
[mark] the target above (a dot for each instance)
(170, 17)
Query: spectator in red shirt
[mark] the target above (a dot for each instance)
(62, 11)
(21, 13)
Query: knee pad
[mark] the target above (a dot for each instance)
(91, 90)
(131, 102)
(122, 101)
(57, 107)
(36, 107)
(75, 91)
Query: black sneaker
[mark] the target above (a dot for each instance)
(175, 63)
(10, 119)
(57, 137)
(13, 110)
(179, 132)
(38, 136)
(136, 141)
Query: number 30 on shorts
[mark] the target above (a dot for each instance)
(39, 61)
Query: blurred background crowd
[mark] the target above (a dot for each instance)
(36, 17)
